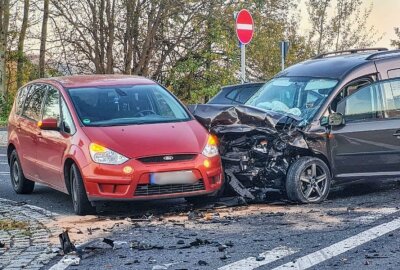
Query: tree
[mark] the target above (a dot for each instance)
(21, 41)
(43, 39)
(4, 22)
(339, 25)
(396, 42)
(320, 30)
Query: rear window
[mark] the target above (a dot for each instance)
(126, 105)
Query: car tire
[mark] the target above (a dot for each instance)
(308, 180)
(80, 201)
(20, 184)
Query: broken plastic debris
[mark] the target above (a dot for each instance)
(72, 260)
(144, 246)
(108, 242)
(66, 245)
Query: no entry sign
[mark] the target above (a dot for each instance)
(244, 26)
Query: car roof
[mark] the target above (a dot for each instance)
(76, 81)
(335, 67)
(243, 85)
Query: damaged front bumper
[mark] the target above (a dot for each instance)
(256, 147)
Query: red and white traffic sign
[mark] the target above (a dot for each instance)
(244, 26)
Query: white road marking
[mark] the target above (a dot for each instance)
(4, 173)
(334, 250)
(242, 26)
(251, 262)
(3, 163)
(3, 155)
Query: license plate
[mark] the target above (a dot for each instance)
(168, 178)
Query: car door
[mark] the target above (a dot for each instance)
(368, 144)
(28, 130)
(51, 144)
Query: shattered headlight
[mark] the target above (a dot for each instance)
(103, 155)
(211, 148)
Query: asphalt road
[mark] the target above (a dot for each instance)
(344, 228)
(285, 233)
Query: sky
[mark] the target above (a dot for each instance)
(384, 17)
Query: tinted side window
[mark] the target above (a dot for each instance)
(362, 105)
(22, 93)
(67, 122)
(52, 104)
(245, 94)
(33, 104)
(349, 90)
(391, 98)
(232, 94)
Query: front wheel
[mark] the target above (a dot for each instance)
(80, 201)
(20, 184)
(308, 180)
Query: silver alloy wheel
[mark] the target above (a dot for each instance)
(15, 173)
(314, 182)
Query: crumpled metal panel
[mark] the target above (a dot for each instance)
(257, 147)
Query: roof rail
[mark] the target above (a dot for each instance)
(350, 52)
(378, 54)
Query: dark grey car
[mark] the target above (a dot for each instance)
(334, 118)
(235, 94)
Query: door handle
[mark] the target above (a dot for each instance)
(397, 133)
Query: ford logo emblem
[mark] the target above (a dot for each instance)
(168, 158)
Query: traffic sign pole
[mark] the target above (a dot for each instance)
(243, 63)
(283, 55)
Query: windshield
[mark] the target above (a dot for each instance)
(126, 105)
(299, 96)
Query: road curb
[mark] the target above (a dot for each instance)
(29, 247)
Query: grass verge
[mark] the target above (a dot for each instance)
(9, 225)
(3, 122)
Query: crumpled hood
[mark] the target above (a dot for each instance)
(150, 139)
(223, 119)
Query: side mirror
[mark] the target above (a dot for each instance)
(335, 119)
(48, 124)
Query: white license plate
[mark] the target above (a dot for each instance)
(168, 178)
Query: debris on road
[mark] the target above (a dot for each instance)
(108, 242)
(144, 246)
(66, 245)
(202, 263)
(72, 260)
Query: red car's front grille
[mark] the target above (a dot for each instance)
(167, 158)
(149, 190)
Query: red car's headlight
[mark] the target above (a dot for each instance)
(103, 155)
(211, 148)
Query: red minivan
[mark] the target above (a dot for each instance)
(108, 137)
